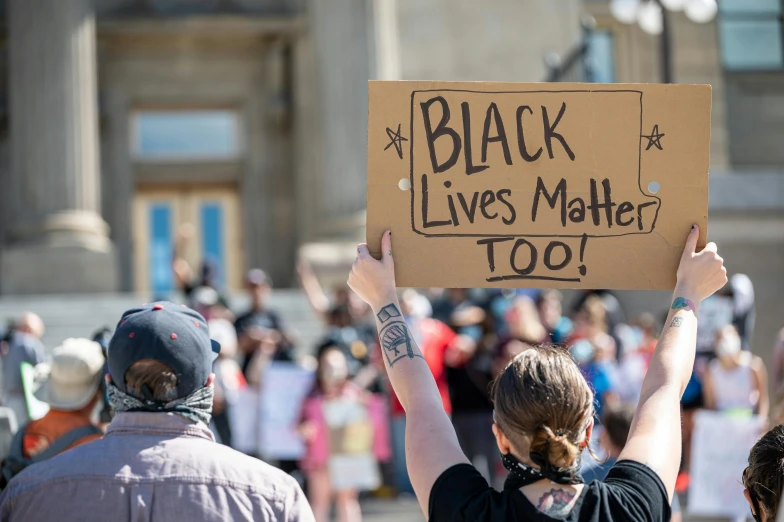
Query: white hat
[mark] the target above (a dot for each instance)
(76, 371)
(224, 333)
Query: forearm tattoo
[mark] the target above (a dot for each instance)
(390, 311)
(682, 302)
(676, 322)
(396, 340)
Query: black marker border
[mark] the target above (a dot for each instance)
(572, 91)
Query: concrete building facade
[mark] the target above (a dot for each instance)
(746, 203)
(246, 118)
(121, 120)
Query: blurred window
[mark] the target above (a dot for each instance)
(601, 56)
(185, 135)
(751, 34)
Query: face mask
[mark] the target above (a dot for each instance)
(728, 346)
(582, 351)
(333, 373)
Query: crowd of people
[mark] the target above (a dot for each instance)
(352, 424)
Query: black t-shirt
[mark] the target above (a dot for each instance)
(264, 319)
(270, 320)
(632, 492)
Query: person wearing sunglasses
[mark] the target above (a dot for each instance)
(764, 477)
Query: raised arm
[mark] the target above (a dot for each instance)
(431, 443)
(313, 290)
(761, 378)
(655, 435)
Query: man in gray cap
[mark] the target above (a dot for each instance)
(158, 460)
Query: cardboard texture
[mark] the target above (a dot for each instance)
(537, 185)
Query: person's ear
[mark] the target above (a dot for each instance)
(747, 494)
(588, 433)
(108, 378)
(501, 440)
(210, 379)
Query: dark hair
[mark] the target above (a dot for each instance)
(543, 403)
(764, 478)
(596, 312)
(152, 380)
(617, 421)
(553, 294)
(339, 315)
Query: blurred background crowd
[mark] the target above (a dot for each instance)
(330, 401)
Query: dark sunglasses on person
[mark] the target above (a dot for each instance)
(756, 513)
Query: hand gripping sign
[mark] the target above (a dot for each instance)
(537, 185)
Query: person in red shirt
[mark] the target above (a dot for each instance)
(435, 340)
(72, 390)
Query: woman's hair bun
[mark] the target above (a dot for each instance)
(555, 447)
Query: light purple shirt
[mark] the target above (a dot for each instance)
(153, 466)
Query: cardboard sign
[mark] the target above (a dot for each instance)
(538, 185)
(720, 452)
(284, 386)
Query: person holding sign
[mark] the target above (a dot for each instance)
(543, 415)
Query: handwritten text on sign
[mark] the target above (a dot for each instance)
(530, 178)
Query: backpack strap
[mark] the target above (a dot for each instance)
(65, 441)
(15, 461)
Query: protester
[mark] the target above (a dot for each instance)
(614, 314)
(209, 303)
(260, 333)
(228, 378)
(23, 346)
(73, 391)
(469, 373)
(616, 424)
(778, 361)
(763, 479)
(777, 416)
(523, 328)
(345, 435)
(736, 381)
(186, 282)
(103, 336)
(543, 415)
(158, 459)
(741, 289)
(550, 306)
(595, 352)
(321, 302)
(356, 342)
(640, 339)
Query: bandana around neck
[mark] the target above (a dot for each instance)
(521, 475)
(195, 407)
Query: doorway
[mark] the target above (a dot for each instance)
(161, 219)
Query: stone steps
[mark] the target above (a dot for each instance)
(81, 315)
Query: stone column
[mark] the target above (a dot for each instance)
(56, 240)
(341, 32)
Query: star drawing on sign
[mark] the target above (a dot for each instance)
(654, 140)
(396, 140)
